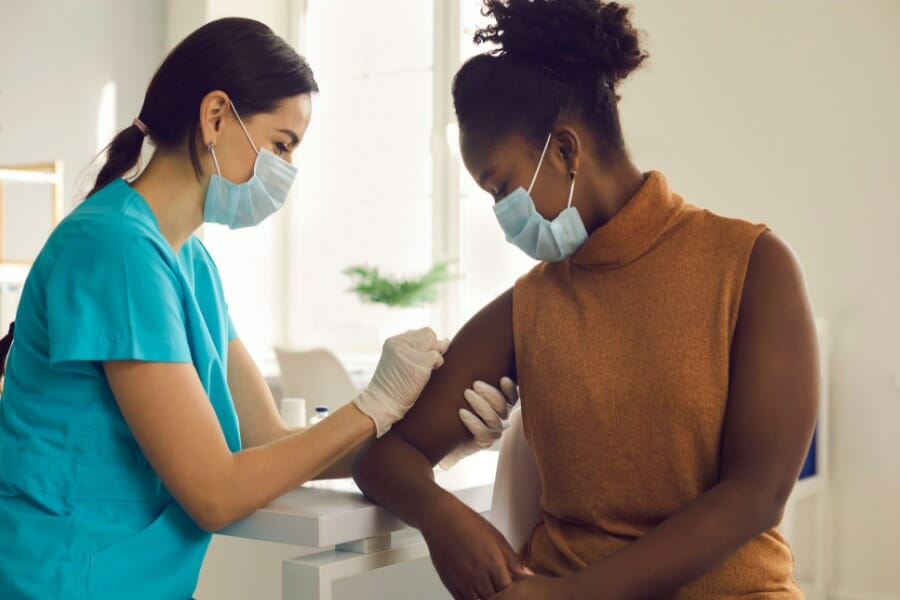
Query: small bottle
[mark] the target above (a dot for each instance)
(321, 415)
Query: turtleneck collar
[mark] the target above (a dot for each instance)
(635, 228)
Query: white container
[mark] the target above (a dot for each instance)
(293, 412)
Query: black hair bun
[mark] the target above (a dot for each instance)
(568, 37)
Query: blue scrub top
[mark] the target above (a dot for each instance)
(82, 513)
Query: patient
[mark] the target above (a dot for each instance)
(665, 355)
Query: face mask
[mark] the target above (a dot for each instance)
(246, 204)
(533, 234)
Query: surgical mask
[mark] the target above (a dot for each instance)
(539, 238)
(246, 204)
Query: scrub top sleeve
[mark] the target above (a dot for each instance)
(116, 296)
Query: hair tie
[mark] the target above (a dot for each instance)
(140, 125)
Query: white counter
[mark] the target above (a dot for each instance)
(354, 533)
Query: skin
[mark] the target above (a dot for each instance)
(773, 388)
(165, 405)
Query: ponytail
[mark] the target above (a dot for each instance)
(122, 155)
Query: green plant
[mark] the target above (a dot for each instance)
(371, 286)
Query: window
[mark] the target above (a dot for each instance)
(380, 182)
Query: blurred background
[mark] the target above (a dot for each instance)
(772, 111)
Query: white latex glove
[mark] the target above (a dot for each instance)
(406, 363)
(492, 409)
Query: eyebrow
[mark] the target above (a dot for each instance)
(295, 139)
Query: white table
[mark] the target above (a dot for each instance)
(356, 535)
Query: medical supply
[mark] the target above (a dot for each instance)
(537, 237)
(293, 412)
(403, 370)
(246, 204)
(321, 415)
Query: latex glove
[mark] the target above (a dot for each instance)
(489, 419)
(404, 368)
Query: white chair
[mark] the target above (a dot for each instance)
(316, 375)
(515, 505)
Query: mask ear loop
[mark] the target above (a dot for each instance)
(247, 133)
(540, 162)
(212, 151)
(571, 188)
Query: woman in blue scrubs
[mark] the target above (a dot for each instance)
(133, 421)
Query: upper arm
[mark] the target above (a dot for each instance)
(773, 389)
(170, 416)
(482, 350)
(253, 401)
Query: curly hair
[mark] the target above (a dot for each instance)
(554, 58)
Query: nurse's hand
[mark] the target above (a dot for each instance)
(406, 364)
(487, 419)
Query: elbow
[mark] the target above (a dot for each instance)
(211, 515)
(764, 506)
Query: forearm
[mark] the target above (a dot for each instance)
(399, 477)
(256, 476)
(339, 470)
(683, 548)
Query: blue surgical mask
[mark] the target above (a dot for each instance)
(539, 238)
(246, 204)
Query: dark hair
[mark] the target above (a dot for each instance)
(242, 57)
(555, 58)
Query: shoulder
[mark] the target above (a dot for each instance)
(111, 229)
(774, 272)
(704, 224)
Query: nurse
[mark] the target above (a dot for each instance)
(133, 422)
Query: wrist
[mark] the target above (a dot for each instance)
(367, 423)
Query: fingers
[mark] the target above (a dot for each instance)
(442, 345)
(483, 436)
(510, 390)
(483, 585)
(501, 577)
(494, 397)
(484, 409)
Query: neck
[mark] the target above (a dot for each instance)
(609, 189)
(170, 187)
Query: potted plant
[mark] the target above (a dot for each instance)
(397, 293)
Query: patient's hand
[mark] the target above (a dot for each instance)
(473, 559)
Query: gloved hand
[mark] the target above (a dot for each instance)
(406, 363)
(492, 410)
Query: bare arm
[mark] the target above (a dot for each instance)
(396, 470)
(169, 414)
(771, 413)
(255, 406)
(253, 401)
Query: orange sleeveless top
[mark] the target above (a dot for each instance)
(622, 353)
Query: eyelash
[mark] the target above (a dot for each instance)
(282, 147)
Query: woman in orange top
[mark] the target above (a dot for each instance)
(666, 355)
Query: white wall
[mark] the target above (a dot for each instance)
(787, 113)
(57, 58)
